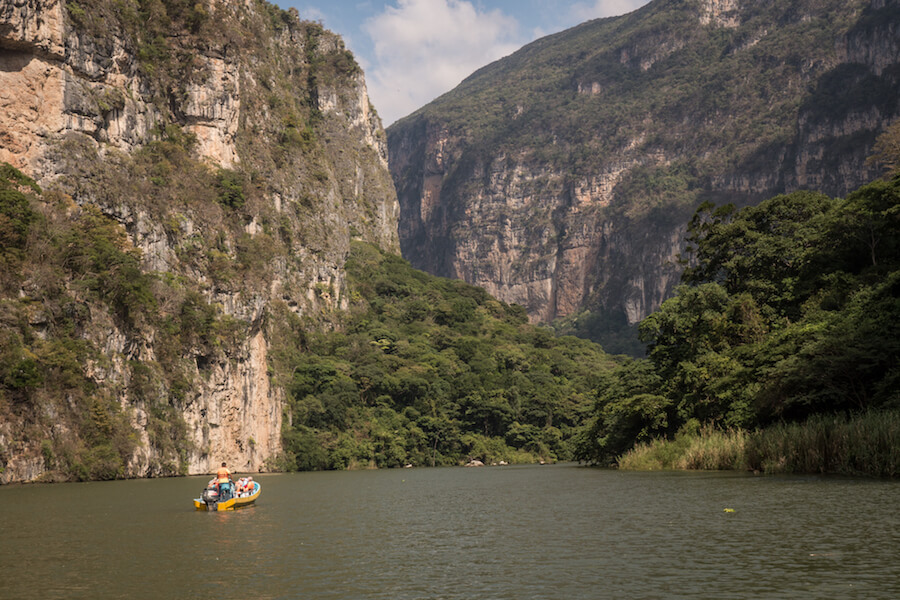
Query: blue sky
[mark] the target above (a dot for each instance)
(413, 51)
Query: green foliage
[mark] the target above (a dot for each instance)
(95, 251)
(76, 12)
(792, 311)
(771, 251)
(659, 193)
(864, 443)
(20, 372)
(432, 371)
(610, 326)
(628, 409)
(886, 151)
(80, 264)
(11, 177)
(16, 219)
(298, 134)
(861, 444)
(690, 338)
(230, 185)
(692, 448)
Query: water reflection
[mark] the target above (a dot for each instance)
(511, 532)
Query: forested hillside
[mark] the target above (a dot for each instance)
(432, 371)
(789, 310)
(789, 316)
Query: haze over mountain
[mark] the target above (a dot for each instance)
(561, 177)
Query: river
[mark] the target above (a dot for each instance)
(533, 532)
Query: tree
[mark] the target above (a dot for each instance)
(843, 360)
(16, 219)
(886, 151)
(629, 409)
(691, 340)
(768, 250)
(864, 233)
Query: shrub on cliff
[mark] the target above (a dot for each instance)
(16, 218)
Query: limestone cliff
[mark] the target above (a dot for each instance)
(235, 150)
(561, 177)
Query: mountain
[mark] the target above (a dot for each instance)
(562, 176)
(180, 183)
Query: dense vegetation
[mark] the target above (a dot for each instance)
(431, 371)
(67, 274)
(789, 312)
(790, 309)
(779, 353)
(858, 444)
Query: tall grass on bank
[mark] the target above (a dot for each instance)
(707, 449)
(864, 444)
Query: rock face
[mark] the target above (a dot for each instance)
(270, 109)
(562, 177)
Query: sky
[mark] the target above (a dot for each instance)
(412, 51)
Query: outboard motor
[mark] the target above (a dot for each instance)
(211, 498)
(226, 491)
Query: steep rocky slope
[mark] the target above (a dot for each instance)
(561, 177)
(201, 169)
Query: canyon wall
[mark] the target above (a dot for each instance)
(562, 177)
(236, 149)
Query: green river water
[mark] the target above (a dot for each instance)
(535, 532)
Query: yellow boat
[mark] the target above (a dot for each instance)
(230, 504)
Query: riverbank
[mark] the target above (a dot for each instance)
(864, 444)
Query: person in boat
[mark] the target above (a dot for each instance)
(223, 475)
(245, 486)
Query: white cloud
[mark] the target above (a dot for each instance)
(310, 13)
(585, 11)
(424, 48)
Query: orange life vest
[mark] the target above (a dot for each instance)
(223, 474)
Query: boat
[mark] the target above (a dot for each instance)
(210, 501)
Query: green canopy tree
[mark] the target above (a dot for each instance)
(768, 251)
(886, 151)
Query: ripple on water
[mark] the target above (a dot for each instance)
(518, 532)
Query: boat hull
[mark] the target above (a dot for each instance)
(232, 503)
